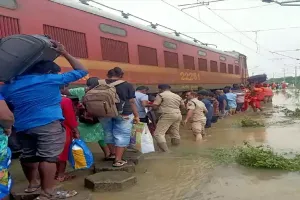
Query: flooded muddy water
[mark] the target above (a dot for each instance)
(185, 174)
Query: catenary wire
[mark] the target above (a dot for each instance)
(204, 23)
(222, 18)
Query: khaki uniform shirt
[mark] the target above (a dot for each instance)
(198, 108)
(168, 102)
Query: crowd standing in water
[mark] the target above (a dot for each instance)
(46, 122)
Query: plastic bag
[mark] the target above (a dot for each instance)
(141, 138)
(5, 183)
(80, 155)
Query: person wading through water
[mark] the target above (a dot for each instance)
(196, 112)
(35, 101)
(168, 105)
(117, 130)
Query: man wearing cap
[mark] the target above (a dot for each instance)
(168, 104)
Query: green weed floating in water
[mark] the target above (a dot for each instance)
(290, 113)
(257, 157)
(247, 122)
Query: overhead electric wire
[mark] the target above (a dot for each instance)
(222, 18)
(204, 23)
(231, 9)
(249, 31)
(287, 50)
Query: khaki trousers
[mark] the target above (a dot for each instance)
(198, 127)
(168, 123)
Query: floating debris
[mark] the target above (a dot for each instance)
(282, 123)
(278, 107)
(257, 157)
(290, 113)
(247, 122)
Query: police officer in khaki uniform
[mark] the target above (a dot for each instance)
(196, 112)
(168, 104)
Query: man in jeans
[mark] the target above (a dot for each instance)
(35, 99)
(141, 101)
(118, 129)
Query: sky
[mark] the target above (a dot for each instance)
(228, 18)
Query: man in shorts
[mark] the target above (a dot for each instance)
(35, 101)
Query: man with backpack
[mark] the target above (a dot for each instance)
(113, 101)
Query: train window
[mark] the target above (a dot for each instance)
(75, 42)
(189, 62)
(222, 58)
(223, 68)
(170, 45)
(10, 4)
(230, 69)
(202, 63)
(202, 53)
(147, 56)
(113, 30)
(8, 26)
(171, 59)
(213, 66)
(236, 62)
(114, 50)
(237, 69)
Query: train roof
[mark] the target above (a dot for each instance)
(97, 11)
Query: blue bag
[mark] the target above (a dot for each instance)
(5, 183)
(80, 155)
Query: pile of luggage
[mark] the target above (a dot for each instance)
(257, 78)
(19, 53)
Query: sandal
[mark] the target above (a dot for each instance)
(64, 178)
(32, 189)
(119, 163)
(111, 157)
(58, 195)
(65, 194)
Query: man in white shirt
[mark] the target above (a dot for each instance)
(141, 101)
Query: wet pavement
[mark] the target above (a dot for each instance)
(185, 174)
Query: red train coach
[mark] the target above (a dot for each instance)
(102, 41)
